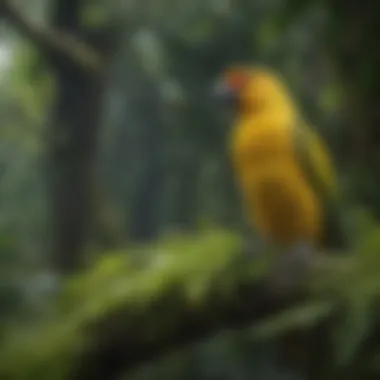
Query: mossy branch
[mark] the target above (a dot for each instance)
(53, 43)
(170, 319)
(134, 308)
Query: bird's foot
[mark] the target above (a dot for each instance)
(293, 268)
(253, 248)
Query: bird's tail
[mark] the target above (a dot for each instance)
(334, 235)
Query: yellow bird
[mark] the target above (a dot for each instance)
(283, 169)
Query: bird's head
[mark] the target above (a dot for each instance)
(251, 89)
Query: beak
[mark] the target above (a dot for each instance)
(224, 93)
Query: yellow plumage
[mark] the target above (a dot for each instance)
(282, 167)
(277, 196)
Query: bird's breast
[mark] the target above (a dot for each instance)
(256, 145)
(272, 184)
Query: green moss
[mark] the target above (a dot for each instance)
(186, 264)
(176, 275)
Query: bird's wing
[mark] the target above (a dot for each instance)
(315, 161)
(319, 172)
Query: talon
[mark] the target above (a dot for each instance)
(253, 248)
(293, 267)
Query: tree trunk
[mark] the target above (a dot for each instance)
(354, 39)
(145, 209)
(73, 148)
(185, 197)
(354, 43)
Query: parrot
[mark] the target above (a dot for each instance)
(283, 169)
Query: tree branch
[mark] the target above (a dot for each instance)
(118, 347)
(54, 43)
(119, 316)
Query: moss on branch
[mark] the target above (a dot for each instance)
(133, 308)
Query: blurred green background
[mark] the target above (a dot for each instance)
(110, 140)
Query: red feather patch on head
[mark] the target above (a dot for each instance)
(236, 78)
